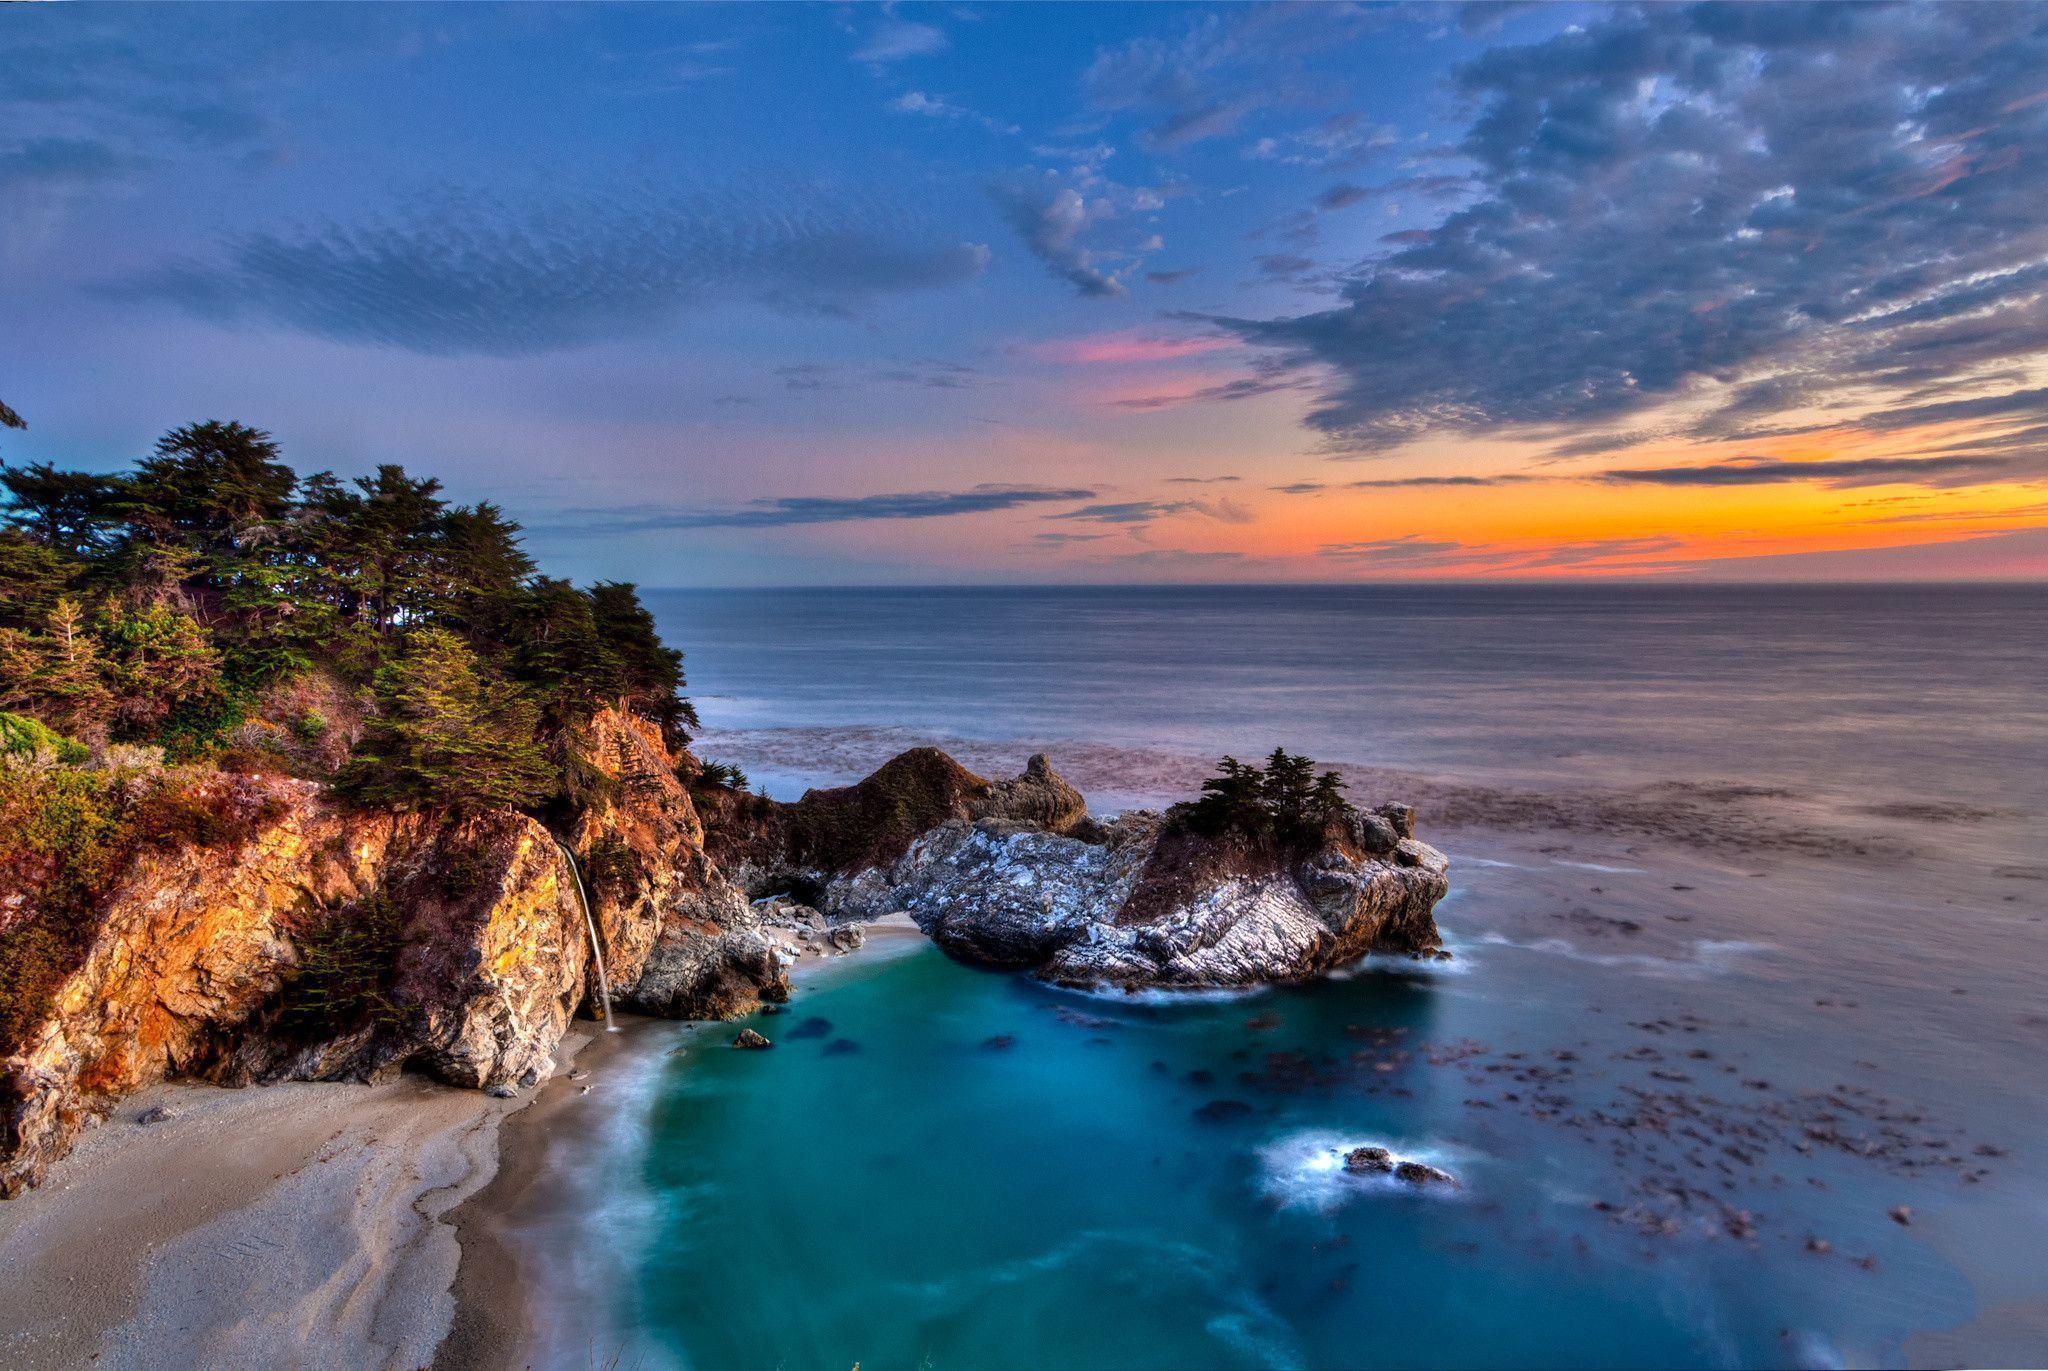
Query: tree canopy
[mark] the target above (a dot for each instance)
(157, 605)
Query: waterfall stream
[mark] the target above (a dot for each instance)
(604, 984)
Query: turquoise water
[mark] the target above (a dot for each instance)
(1683, 1087)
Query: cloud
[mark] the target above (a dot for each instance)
(1147, 511)
(1049, 217)
(938, 107)
(893, 39)
(1216, 70)
(1343, 195)
(1170, 278)
(64, 162)
(1337, 143)
(792, 510)
(1414, 552)
(472, 275)
(1127, 346)
(1411, 483)
(1837, 472)
(1659, 209)
(1201, 480)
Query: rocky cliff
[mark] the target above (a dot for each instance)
(291, 937)
(1016, 874)
(259, 930)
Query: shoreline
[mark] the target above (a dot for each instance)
(499, 1309)
(317, 1224)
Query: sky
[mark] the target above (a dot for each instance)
(969, 294)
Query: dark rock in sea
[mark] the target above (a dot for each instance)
(1222, 1111)
(840, 1047)
(846, 937)
(751, 1041)
(1422, 1173)
(156, 1113)
(812, 1027)
(1001, 1042)
(1361, 1161)
(1902, 1215)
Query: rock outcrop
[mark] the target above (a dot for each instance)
(681, 939)
(1016, 874)
(309, 940)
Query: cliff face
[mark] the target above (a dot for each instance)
(323, 942)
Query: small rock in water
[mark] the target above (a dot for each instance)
(1820, 1245)
(1422, 1173)
(1364, 1160)
(772, 1009)
(751, 1041)
(847, 937)
(156, 1113)
(840, 1047)
(813, 1027)
(578, 1074)
(1901, 1215)
(1220, 1111)
(1001, 1042)
(503, 1091)
(1260, 1023)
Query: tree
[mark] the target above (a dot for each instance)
(450, 734)
(56, 675)
(1286, 787)
(1231, 799)
(157, 658)
(9, 419)
(69, 510)
(633, 664)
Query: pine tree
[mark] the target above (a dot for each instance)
(57, 675)
(449, 735)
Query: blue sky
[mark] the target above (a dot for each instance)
(771, 294)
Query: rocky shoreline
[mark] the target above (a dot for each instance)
(300, 939)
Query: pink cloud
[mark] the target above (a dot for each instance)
(1129, 346)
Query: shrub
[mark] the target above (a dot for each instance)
(348, 965)
(63, 841)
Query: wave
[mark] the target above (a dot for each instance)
(1602, 867)
(1711, 957)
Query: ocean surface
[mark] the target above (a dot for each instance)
(1739, 1061)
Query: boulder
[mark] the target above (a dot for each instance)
(1361, 1161)
(1422, 1173)
(750, 1041)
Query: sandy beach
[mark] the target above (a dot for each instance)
(312, 1225)
(298, 1225)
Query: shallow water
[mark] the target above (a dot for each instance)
(1663, 1074)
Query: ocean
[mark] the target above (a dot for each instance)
(1738, 1061)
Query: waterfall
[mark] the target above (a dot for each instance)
(604, 983)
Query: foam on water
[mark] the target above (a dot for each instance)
(1711, 956)
(1305, 1170)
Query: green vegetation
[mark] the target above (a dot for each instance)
(348, 960)
(171, 604)
(723, 776)
(64, 833)
(1285, 801)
